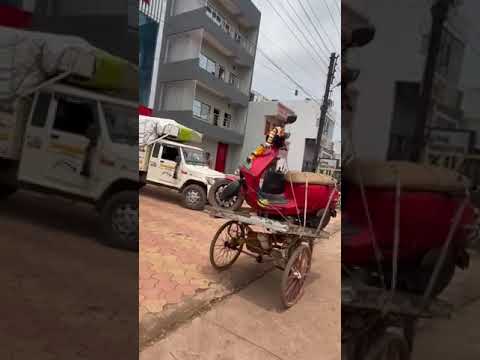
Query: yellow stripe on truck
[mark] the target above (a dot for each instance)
(67, 149)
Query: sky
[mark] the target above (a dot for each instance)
(305, 62)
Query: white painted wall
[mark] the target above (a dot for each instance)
(242, 74)
(182, 6)
(217, 102)
(305, 127)
(179, 96)
(255, 126)
(210, 146)
(184, 46)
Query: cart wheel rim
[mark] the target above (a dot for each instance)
(227, 244)
(295, 275)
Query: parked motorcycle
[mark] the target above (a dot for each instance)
(271, 191)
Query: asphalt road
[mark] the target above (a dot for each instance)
(64, 295)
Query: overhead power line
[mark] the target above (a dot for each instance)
(314, 58)
(306, 28)
(274, 71)
(320, 23)
(331, 16)
(287, 75)
(288, 56)
(315, 28)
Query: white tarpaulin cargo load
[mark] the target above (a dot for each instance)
(28, 59)
(151, 128)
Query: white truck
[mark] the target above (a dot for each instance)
(61, 134)
(167, 159)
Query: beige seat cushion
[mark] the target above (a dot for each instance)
(313, 178)
(414, 177)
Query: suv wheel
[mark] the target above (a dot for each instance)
(120, 220)
(194, 197)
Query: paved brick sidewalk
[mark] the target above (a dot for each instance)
(174, 256)
(174, 261)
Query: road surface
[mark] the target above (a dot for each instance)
(251, 325)
(64, 295)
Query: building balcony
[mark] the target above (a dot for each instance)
(241, 52)
(209, 130)
(190, 70)
(243, 12)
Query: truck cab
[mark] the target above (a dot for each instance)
(78, 144)
(181, 167)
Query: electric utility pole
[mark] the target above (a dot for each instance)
(324, 109)
(439, 13)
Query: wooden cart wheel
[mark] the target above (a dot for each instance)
(227, 245)
(295, 274)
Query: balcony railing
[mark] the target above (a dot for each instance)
(215, 120)
(218, 71)
(219, 19)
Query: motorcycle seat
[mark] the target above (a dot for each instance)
(413, 176)
(298, 177)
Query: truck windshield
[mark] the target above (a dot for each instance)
(122, 123)
(195, 157)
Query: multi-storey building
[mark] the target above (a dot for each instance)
(205, 71)
(151, 22)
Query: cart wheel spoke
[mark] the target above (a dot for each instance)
(226, 245)
(294, 276)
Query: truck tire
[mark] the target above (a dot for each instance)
(6, 191)
(120, 220)
(194, 197)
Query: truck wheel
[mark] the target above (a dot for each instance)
(6, 191)
(120, 220)
(194, 197)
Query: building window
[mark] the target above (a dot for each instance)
(201, 110)
(234, 80)
(226, 27)
(207, 64)
(237, 37)
(219, 19)
(214, 15)
(227, 120)
(216, 117)
(221, 72)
